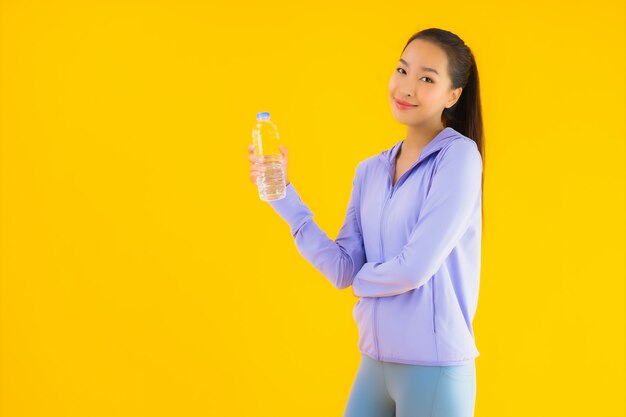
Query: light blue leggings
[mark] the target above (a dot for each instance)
(386, 389)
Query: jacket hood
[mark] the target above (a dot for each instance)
(443, 138)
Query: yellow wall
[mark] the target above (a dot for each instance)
(142, 276)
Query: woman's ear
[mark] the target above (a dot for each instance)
(456, 94)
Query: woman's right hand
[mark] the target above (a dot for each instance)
(256, 169)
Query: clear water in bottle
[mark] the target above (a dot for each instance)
(271, 183)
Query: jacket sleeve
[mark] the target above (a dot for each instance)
(338, 260)
(444, 218)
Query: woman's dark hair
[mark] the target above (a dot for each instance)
(465, 116)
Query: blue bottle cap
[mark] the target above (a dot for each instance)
(263, 115)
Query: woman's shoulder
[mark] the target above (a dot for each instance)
(460, 146)
(382, 155)
(369, 164)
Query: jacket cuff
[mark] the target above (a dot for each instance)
(292, 209)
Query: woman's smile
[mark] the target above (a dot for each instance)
(402, 105)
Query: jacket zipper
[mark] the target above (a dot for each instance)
(375, 330)
(382, 216)
(432, 286)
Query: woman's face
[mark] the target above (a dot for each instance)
(421, 79)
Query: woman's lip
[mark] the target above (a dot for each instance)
(403, 106)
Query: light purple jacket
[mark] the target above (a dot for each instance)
(411, 252)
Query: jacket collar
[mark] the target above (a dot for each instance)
(444, 137)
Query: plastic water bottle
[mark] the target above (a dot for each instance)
(271, 183)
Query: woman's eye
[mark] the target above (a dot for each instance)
(402, 69)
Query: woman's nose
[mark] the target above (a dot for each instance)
(408, 90)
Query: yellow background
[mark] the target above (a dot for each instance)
(142, 276)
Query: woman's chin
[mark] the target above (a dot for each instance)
(401, 118)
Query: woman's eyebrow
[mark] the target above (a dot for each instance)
(424, 68)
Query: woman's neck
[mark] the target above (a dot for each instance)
(417, 139)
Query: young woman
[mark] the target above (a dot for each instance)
(410, 244)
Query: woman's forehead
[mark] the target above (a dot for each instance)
(423, 53)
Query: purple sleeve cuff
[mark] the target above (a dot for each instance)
(292, 209)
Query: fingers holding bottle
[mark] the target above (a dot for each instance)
(256, 168)
(285, 154)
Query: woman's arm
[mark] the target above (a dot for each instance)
(338, 260)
